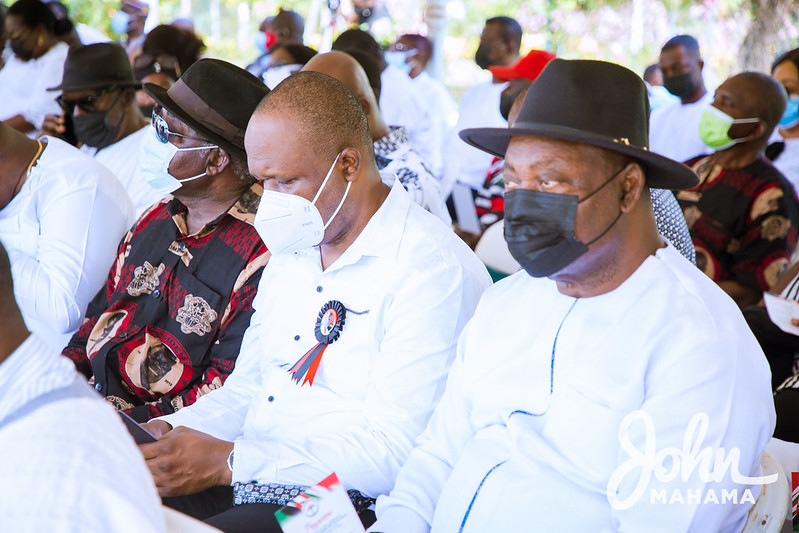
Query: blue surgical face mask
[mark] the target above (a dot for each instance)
(154, 159)
(397, 59)
(791, 116)
(120, 22)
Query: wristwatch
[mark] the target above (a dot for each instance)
(230, 461)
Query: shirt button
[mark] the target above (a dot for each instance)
(156, 293)
(181, 246)
(123, 335)
(319, 288)
(98, 387)
(270, 399)
(296, 337)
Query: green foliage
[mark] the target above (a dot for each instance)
(96, 13)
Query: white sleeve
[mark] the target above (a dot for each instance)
(78, 237)
(221, 412)
(407, 379)
(42, 102)
(703, 381)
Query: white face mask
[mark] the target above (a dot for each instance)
(275, 75)
(288, 223)
(154, 160)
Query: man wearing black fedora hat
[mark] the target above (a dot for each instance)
(167, 326)
(619, 363)
(99, 110)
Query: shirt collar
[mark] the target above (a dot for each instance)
(391, 141)
(382, 234)
(244, 210)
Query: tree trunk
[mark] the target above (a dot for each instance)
(765, 38)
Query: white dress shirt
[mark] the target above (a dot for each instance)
(443, 114)
(527, 435)
(674, 129)
(479, 109)
(401, 104)
(121, 158)
(70, 464)
(61, 232)
(788, 161)
(24, 84)
(409, 285)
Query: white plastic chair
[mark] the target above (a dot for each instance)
(773, 504)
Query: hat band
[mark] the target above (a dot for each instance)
(182, 95)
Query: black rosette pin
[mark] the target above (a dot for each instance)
(328, 328)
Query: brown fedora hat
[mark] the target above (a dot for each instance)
(216, 99)
(95, 66)
(592, 102)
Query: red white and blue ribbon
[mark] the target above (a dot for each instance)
(328, 328)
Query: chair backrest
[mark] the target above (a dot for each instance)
(768, 513)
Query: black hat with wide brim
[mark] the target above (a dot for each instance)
(592, 102)
(96, 66)
(216, 99)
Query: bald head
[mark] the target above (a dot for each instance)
(765, 97)
(347, 70)
(326, 114)
(344, 68)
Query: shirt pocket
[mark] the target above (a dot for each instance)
(195, 314)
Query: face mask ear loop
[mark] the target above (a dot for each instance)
(346, 192)
(329, 173)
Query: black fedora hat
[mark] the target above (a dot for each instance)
(591, 102)
(216, 99)
(95, 66)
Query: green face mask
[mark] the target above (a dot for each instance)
(714, 128)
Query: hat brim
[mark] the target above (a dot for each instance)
(661, 172)
(94, 85)
(504, 73)
(160, 95)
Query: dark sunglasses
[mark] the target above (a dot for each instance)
(162, 131)
(87, 104)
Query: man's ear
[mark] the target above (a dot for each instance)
(632, 185)
(128, 95)
(218, 161)
(350, 163)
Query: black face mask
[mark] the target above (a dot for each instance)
(94, 130)
(481, 57)
(18, 47)
(681, 85)
(539, 229)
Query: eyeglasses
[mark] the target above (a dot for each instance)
(162, 131)
(87, 104)
(147, 63)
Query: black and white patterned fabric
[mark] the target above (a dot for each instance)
(394, 154)
(671, 222)
(279, 494)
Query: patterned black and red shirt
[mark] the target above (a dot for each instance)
(743, 221)
(167, 327)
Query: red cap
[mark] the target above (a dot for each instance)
(530, 66)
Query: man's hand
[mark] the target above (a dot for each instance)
(158, 428)
(53, 125)
(186, 461)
